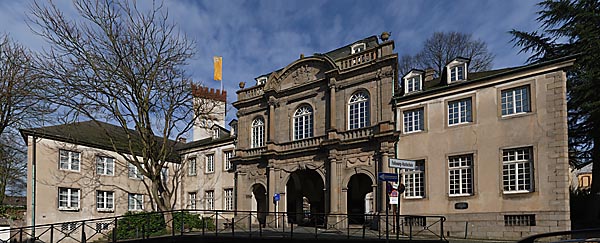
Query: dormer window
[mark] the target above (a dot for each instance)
(261, 81)
(457, 73)
(456, 70)
(413, 81)
(215, 133)
(413, 84)
(356, 48)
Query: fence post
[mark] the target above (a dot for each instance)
(114, 233)
(410, 224)
(216, 223)
(233, 226)
(83, 240)
(291, 230)
(259, 228)
(442, 227)
(51, 233)
(316, 233)
(182, 221)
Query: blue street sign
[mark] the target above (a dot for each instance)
(382, 176)
(276, 197)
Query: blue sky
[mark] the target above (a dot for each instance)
(256, 37)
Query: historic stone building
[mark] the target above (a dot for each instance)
(317, 132)
(491, 148)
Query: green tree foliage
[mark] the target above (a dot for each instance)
(572, 27)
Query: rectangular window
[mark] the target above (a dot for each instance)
(414, 181)
(228, 195)
(69, 160)
(68, 198)
(519, 220)
(105, 165)
(414, 120)
(459, 111)
(515, 101)
(460, 175)
(209, 199)
(105, 200)
(227, 156)
(413, 84)
(134, 173)
(192, 166)
(457, 73)
(192, 200)
(517, 170)
(210, 163)
(135, 202)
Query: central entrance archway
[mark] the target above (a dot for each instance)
(305, 197)
(360, 198)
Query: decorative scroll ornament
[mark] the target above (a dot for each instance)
(358, 161)
(304, 74)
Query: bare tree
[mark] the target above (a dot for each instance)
(120, 64)
(20, 106)
(442, 47)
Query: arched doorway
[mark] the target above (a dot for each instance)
(260, 196)
(305, 197)
(360, 200)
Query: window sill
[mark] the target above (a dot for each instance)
(516, 192)
(69, 209)
(135, 210)
(522, 114)
(106, 210)
(413, 132)
(106, 175)
(460, 195)
(461, 124)
(413, 198)
(67, 170)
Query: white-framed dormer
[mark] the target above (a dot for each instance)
(456, 70)
(358, 47)
(261, 80)
(413, 81)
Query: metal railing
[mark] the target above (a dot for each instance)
(242, 224)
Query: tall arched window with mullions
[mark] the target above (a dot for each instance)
(303, 122)
(358, 110)
(258, 133)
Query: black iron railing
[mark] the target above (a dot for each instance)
(248, 224)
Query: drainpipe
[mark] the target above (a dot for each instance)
(33, 189)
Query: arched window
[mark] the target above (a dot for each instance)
(358, 110)
(303, 122)
(258, 133)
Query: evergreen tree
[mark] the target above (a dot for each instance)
(572, 27)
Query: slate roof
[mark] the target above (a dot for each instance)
(95, 134)
(205, 142)
(439, 84)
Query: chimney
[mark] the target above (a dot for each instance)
(429, 72)
(182, 140)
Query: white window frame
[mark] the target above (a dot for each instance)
(72, 201)
(460, 111)
(215, 133)
(227, 155)
(192, 167)
(228, 199)
(456, 72)
(414, 181)
(258, 133)
(69, 160)
(303, 124)
(209, 163)
(518, 163)
(413, 120)
(460, 175)
(105, 165)
(261, 80)
(192, 200)
(358, 110)
(105, 201)
(209, 199)
(413, 84)
(513, 101)
(135, 202)
(133, 172)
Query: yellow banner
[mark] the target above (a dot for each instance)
(218, 61)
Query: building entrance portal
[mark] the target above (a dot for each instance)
(305, 197)
(260, 196)
(360, 199)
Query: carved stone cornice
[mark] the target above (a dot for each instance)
(273, 102)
